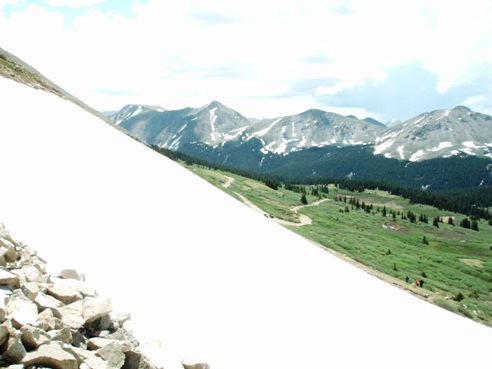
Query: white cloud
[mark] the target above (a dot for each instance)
(235, 49)
(73, 3)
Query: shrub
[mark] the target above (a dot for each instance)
(458, 297)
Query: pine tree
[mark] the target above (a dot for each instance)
(474, 225)
(435, 222)
(304, 199)
(465, 223)
(450, 221)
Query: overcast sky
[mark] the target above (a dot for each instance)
(381, 58)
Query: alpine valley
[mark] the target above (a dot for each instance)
(437, 151)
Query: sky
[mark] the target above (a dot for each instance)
(387, 59)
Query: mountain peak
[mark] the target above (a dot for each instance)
(462, 107)
(216, 104)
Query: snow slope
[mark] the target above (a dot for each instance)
(203, 275)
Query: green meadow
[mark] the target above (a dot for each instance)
(377, 235)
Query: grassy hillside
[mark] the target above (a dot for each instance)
(455, 263)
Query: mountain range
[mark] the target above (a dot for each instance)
(437, 151)
(438, 134)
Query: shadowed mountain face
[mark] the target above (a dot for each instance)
(202, 275)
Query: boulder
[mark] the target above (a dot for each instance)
(62, 335)
(48, 321)
(7, 253)
(3, 305)
(21, 311)
(72, 274)
(8, 279)
(4, 334)
(30, 289)
(44, 301)
(7, 250)
(188, 364)
(64, 294)
(76, 285)
(113, 354)
(14, 350)
(32, 273)
(96, 343)
(84, 311)
(135, 360)
(51, 356)
(33, 337)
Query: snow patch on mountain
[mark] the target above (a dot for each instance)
(416, 156)
(136, 112)
(213, 129)
(383, 147)
(442, 145)
(444, 115)
(401, 151)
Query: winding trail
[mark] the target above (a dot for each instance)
(303, 219)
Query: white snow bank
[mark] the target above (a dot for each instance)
(201, 273)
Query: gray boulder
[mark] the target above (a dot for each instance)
(51, 356)
(14, 351)
(33, 337)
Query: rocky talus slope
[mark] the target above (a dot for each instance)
(59, 321)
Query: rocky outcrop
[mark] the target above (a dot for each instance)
(57, 322)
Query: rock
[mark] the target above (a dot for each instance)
(8, 279)
(7, 253)
(62, 335)
(48, 321)
(44, 302)
(32, 273)
(33, 337)
(187, 364)
(63, 294)
(72, 274)
(4, 334)
(30, 289)
(84, 311)
(97, 343)
(14, 350)
(3, 305)
(96, 308)
(81, 287)
(8, 250)
(21, 311)
(124, 334)
(51, 356)
(114, 354)
(135, 360)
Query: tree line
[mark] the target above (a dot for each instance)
(473, 202)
